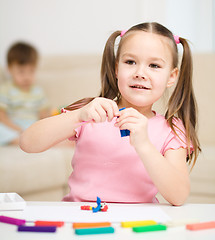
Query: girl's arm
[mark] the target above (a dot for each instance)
(49, 131)
(169, 173)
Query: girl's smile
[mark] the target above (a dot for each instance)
(139, 86)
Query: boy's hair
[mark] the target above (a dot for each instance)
(22, 53)
(182, 103)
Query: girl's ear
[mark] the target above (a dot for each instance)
(173, 77)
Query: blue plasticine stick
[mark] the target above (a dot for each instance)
(124, 132)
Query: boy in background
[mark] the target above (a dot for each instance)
(21, 101)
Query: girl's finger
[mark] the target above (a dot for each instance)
(131, 120)
(124, 116)
(95, 117)
(109, 107)
(101, 112)
(110, 113)
(115, 109)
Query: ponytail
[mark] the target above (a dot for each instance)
(78, 104)
(109, 88)
(182, 103)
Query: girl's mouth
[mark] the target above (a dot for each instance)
(140, 87)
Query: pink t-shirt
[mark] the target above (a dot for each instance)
(107, 165)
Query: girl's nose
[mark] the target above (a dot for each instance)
(140, 74)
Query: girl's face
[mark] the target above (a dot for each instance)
(144, 70)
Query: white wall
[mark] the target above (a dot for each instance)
(213, 25)
(193, 19)
(71, 26)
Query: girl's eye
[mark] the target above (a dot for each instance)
(130, 62)
(152, 65)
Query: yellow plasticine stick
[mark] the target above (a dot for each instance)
(131, 224)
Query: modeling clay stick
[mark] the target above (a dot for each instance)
(49, 223)
(137, 223)
(181, 222)
(100, 230)
(11, 220)
(124, 132)
(150, 228)
(200, 226)
(36, 229)
(91, 224)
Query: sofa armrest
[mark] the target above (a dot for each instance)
(26, 173)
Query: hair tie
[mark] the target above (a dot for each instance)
(123, 32)
(177, 39)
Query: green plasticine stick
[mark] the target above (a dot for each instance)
(150, 228)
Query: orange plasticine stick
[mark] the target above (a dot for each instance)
(91, 224)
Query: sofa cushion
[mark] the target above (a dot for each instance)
(202, 175)
(24, 173)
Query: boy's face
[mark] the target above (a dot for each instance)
(23, 75)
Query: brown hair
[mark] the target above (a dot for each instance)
(182, 103)
(22, 53)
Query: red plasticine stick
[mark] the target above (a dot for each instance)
(86, 208)
(49, 223)
(200, 226)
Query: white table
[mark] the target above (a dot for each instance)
(203, 212)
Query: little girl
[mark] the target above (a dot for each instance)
(153, 158)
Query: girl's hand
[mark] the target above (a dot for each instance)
(98, 110)
(137, 123)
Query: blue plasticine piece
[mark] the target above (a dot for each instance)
(124, 132)
(127, 132)
(96, 209)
